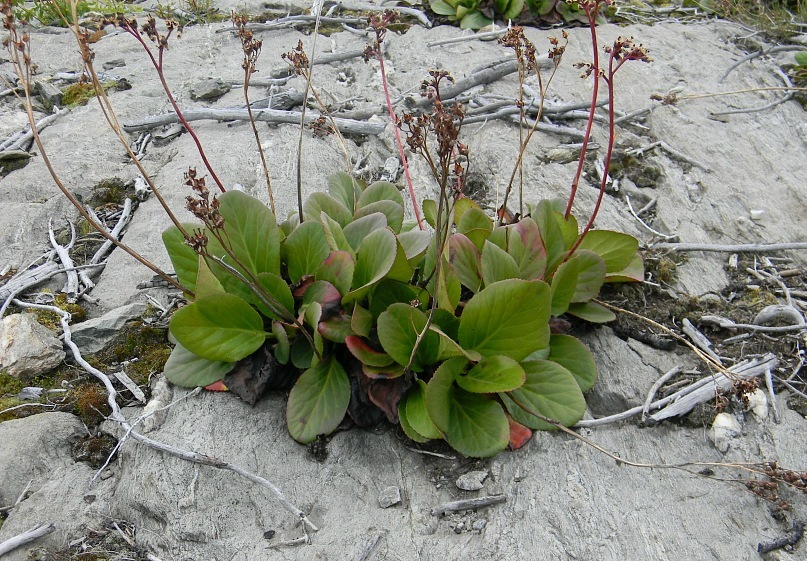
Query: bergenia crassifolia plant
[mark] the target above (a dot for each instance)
(452, 329)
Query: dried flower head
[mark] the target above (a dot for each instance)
(522, 47)
(297, 59)
(378, 23)
(250, 45)
(625, 49)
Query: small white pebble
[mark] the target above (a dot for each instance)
(758, 404)
(724, 428)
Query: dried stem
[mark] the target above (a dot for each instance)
(19, 49)
(150, 28)
(252, 48)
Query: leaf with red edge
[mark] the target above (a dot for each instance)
(519, 434)
(217, 387)
(367, 355)
(336, 328)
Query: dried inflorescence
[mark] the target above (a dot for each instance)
(15, 42)
(202, 207)
(523, 48)
(769, 490)
(297, 59)
(250, 45)
(445, 123)
(320, 127)
(625, 49)
(378, 23)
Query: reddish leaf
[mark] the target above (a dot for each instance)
(305, 282)
(386, 394)
(217, 387)
(362, 350)
(519, 434)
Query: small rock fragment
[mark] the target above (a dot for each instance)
(480, 524)
(28, 348)
(114, 63)
(472, 481)
(30, 394)
(209, 89)
(50, 94)
(390, 496)
(93, 335)
(724, 428)
(758, 404)
(757, 214)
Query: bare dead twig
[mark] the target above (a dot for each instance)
(347, 126)
(26, 537)
(748, 248)
(468, 504)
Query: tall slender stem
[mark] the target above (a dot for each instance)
(158, 66)
(398, 141)
(591, 9)
(609, 152)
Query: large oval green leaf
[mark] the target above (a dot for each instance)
(493, 374)
(380, 191)
(334, 235)
(415, 243)
(527, 249)
(282, 301)
(509, 317)
(184, 259)
(497, 264)
(398, 330)
(185, 369)
(318, 401)
(616, 248)
(317, 203)
(374, 259)
(476, 225)
(634, 272)
(575, 357)
(218, 327)
(551, 234)
(251, 231)
(305, 249)
(564, 286)
(406, 426)
(590, 275)
(356, 231)
(591, 311)
(551, 391)
(416, 412)
(466, 261)
(392, 210)
(362, 350)
(344, 189)
(337, 269)
(472, 424)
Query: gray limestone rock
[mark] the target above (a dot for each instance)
(27, 348)
(93, 335)
(209, 89)
(32, 447)
(390, 496)
(472, 481)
